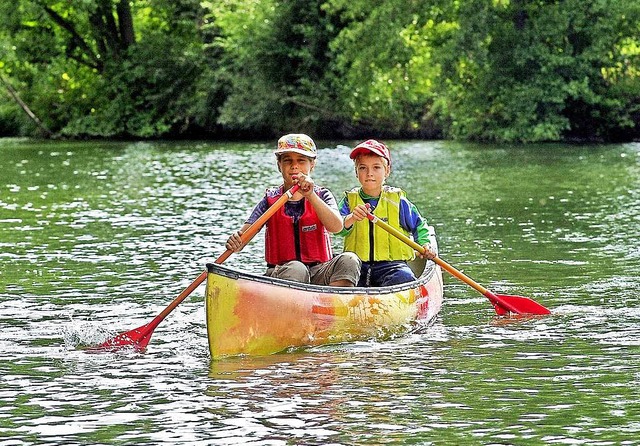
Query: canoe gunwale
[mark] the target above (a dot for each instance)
(425, 277)
(430, 268)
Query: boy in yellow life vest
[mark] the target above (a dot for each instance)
(297, 238)
(384, 257)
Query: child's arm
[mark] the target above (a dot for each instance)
(234, 243)
(328, 216)
(350, 217)
(412, 221)
(343, 207)
(359, 213)
(325, 206)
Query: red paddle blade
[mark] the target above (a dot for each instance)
(138, 338)
(505, 304)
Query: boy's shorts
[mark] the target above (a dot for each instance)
(345, 266)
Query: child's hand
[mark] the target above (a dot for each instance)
(306, 184)
(429, 254)
(235, 242)
(360, 212)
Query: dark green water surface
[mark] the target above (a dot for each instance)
(98, 238)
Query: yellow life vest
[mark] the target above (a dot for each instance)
(385, 245)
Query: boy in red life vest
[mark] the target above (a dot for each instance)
(297, 240)
(384, 257)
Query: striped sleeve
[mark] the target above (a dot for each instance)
(327, 197)
(257, 212)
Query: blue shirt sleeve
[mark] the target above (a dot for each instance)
(343, 206)
(412, 221)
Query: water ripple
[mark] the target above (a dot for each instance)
(99, 238)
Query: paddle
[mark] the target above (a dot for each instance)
(139, 337)
(502, 303)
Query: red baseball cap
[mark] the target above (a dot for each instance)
(373, 146)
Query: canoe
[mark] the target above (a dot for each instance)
(249, 314)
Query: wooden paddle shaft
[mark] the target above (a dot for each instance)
(502, 303)
(450, 269)
(140, 336)
(257, 225)
(246, 237)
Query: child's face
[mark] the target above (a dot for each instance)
(291, 164)
(371, 171)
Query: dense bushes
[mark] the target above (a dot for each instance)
(506, 70)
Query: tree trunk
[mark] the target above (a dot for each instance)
(125, 22)
(25, 107)
(106, 30)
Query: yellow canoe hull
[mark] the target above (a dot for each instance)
(257, 315)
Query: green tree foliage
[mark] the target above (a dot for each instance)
(383, 64)
(105, 67)
(275, 55)
(542, 70)
(497, 70)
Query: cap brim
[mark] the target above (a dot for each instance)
(301, 152)
(360, 150)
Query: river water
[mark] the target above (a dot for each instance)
(97, 238)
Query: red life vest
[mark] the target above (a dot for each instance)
(306, 240)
